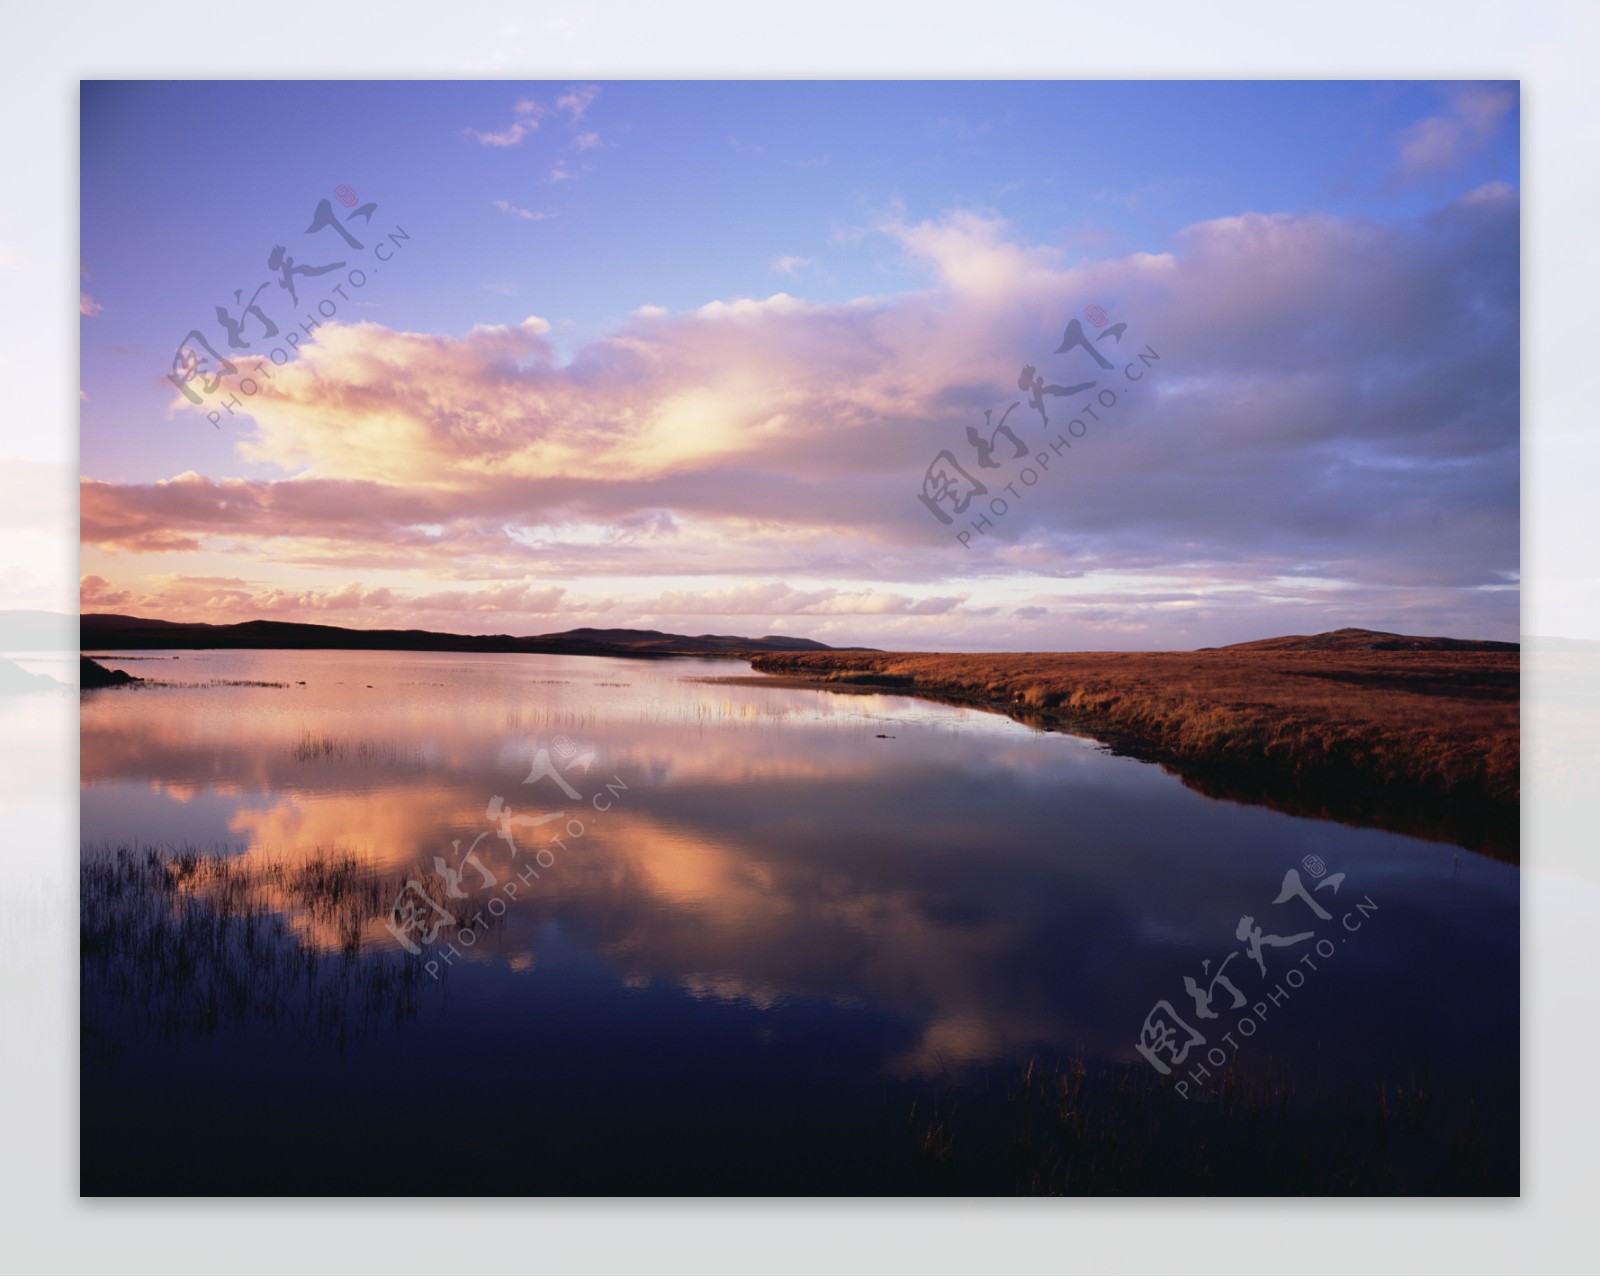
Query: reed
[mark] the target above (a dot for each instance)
(175, 944)
(324, 747)
(1421, 742)
(1071, 1127)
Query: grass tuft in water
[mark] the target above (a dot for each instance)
(178, 944)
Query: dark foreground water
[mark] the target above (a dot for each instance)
(776, 940)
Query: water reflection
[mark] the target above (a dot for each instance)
(970, 888)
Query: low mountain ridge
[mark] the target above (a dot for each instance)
(110, 630)
(1352, 639)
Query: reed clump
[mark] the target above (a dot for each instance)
(175, 944)
(1071, 1127)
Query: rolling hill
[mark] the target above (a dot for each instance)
(110, 630)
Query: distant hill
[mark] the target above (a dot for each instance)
(99, 630)
(657, 641)
(111, 621)
(1354, 640)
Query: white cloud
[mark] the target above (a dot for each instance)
(528, 113)
(774, 598)
(1442, 143)
(972, 251)
(508, 136)
(527, 215)
(576, 102)
(1327, 455)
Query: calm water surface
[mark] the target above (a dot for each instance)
(799, 911)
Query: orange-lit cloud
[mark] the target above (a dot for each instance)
(1335, 405)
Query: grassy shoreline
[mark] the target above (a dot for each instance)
(1422, 742)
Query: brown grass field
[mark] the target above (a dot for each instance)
(1420, 736)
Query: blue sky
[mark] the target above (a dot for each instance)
(580, 204)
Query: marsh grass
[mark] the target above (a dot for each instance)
(178, 944)
(1423, 742)
(204, 682)
(1070, 1127)
(314, 747)
(323, 747)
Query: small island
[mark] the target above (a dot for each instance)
(92, 674)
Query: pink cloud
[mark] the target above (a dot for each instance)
(1442, 143)
(95, 593)
(1316, 370)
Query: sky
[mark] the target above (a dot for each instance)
(729, 358)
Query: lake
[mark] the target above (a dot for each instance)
(775, 930)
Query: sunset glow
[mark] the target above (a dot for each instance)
(679, 356)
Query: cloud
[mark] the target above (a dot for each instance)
(1331, 429)
(789, 265)
(521, 601)
(522, 598)
(527, 112)
(776, 598)
(95, 593)
(508, 136)
(526, 215)
(971, 251)
(184, 596)
(572, 107)
(576, 102)
(87, 305)
(1443, 143)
